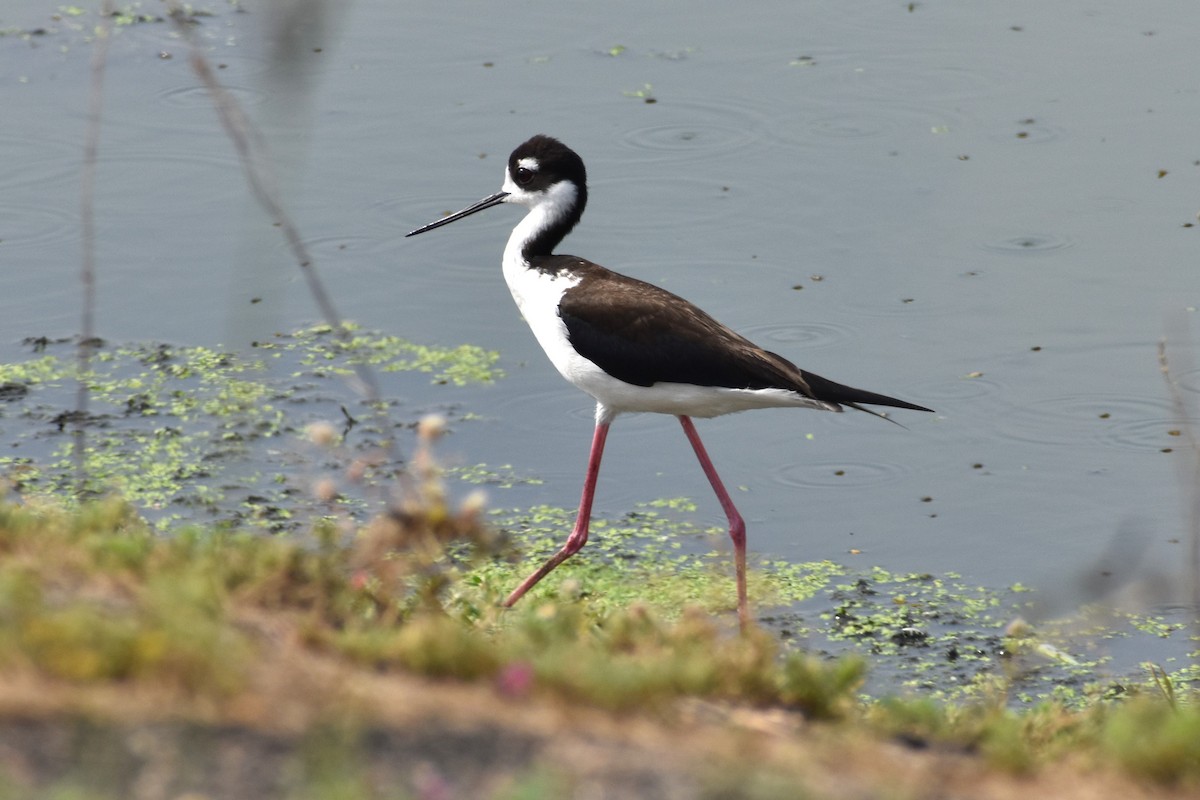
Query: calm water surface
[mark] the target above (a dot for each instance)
(986, 209)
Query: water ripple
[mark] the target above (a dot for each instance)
(26, 225)
(698, 139)
(955, 391)
(1190, 381)
(1126, 422)
(198, 96)
(808, 335)
(548, 412)
(327, 246)
(702, 129)
(1028, 244)
(1147, 434)
(36, 162)
(838, 474)
(847, 125)
(872, 304)
(206, 177)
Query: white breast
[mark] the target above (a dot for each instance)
(537, 296)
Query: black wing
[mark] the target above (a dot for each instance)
(642, 334)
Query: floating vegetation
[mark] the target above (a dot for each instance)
(931, 636)
(77, 21)
(187, 432)
(645, 94)
(503, 476)
(321, 354)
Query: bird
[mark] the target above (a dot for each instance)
(632, 346)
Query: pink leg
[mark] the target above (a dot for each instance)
(737, 527)
(579, 535)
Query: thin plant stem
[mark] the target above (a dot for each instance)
(87, 214)
(251, 151)
(1190, 471)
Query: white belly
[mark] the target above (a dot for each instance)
(686, 399)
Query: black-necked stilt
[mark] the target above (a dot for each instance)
(631, 345)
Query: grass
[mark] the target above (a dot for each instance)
(103, 617)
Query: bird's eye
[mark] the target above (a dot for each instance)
(524, 175)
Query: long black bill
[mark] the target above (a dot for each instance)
(486, 202)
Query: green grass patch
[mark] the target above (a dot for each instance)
(94, 597)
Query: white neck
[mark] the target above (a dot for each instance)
(545, 211)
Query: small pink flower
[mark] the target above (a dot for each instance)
(515, 680)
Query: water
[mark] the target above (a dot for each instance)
(960, 205)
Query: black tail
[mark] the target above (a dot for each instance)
(831, 392)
